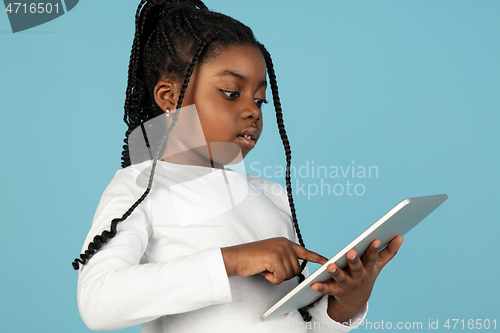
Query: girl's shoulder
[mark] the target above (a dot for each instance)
(126, 186)
(124, 189)
(133, 178)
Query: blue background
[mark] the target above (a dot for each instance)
(411, 87)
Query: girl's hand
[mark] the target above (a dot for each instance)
(352, 287)
(275, 258)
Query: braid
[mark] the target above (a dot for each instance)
(284, 138)
(192, 66)
(183, 91)
(170, 49)
(288, 153)
(133, 64)
(133, 61)
(191, 30)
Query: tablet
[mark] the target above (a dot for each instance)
(398, 221)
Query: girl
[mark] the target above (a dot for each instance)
(203, 248)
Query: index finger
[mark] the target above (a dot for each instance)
(304, 254)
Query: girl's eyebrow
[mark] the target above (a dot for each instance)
(239, 76)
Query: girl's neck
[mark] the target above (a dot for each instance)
(192, 157)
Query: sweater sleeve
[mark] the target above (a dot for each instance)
(326, 324)
(116, 289)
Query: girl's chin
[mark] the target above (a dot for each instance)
(227, 153)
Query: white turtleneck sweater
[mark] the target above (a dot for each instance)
(164, 268)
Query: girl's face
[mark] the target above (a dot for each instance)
(228, 91)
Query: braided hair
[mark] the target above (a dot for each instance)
(171, 38)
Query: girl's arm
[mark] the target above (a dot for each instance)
(116, 289)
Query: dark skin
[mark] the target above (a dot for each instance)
(228, 91)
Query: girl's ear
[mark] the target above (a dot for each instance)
(166, 94)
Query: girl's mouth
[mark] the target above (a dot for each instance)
(247, 141)
(248, 137)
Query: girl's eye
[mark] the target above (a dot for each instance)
(260, 101)
(231, 94)
(234, 94)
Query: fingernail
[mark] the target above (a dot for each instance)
(353, 258)
(333, 271)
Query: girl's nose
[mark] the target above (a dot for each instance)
(250, 110)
